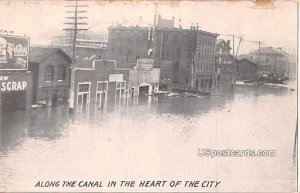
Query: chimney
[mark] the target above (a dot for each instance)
(228, 42)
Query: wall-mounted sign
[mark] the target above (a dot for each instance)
(115, 78)
(144, 64)
(11, 85)
(14, 52)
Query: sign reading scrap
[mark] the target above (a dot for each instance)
(145, 64)
(14, 52)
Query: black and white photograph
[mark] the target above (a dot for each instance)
(148, 96)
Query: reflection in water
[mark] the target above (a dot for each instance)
(46, 124)
(149, 137)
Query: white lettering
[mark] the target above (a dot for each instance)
(8, 86)
(24, 84)
(13, 86)
(3, 87)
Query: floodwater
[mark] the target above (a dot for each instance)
(156, 139)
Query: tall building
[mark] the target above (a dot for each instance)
(86, 39)
(127, 44)
(204, 61)
(175, 50)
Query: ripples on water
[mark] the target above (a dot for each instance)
(155, 138)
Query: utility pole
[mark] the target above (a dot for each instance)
(234, 56)
(74, 24)
(258, 70)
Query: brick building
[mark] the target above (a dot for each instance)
(175, 51)
(127, 44)
(204, 61)
(100, 85)
(51, 75)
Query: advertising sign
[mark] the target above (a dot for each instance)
(14, 52)
(8, 85)
(115, 78)
(145, 64)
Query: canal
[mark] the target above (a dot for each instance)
(156, 138)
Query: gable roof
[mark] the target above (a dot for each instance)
(250, 61)
(267, 50)
(223, 41)
(39, 54)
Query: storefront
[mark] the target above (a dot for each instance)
(102, 85)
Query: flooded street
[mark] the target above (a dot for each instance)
(156, 139)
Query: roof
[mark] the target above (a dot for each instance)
(250, 61)
(85, 56)
(222, 40)
(39, 54)
(121, 27)
(267, 50)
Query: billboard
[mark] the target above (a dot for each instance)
(144, 64)
(14, 51)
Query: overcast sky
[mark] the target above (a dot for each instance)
(275, 23)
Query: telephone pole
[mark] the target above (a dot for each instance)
(75, 23)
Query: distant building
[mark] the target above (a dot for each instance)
(225, 71)
(127, 44)
(165, 23)
(270, 61)
(85, 39)
(247, 70)
(51, 75)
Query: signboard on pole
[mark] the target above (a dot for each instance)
(115, 78)
(144, 64)
(14, 52)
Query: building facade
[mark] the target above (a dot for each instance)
(225, 70)
(186, 57)
(247, 70)
(51, 75)
(100, 86)
(204, 61)
(127, 44)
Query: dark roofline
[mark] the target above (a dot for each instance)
(58, 50)
(248, 61)
(222, 40)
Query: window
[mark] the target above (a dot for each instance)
(49, 73)
(61, 73)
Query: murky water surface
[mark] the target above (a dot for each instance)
(156, 139)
